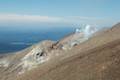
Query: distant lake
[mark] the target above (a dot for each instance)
(16, 40)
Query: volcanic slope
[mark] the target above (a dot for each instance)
(97, 58)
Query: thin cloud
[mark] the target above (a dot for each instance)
(27, 18)
(36, 19)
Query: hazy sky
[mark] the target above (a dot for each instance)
(15, 12)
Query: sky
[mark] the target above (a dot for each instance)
(59, 12)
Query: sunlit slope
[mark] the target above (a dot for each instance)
(79, 56)
(96, 59)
